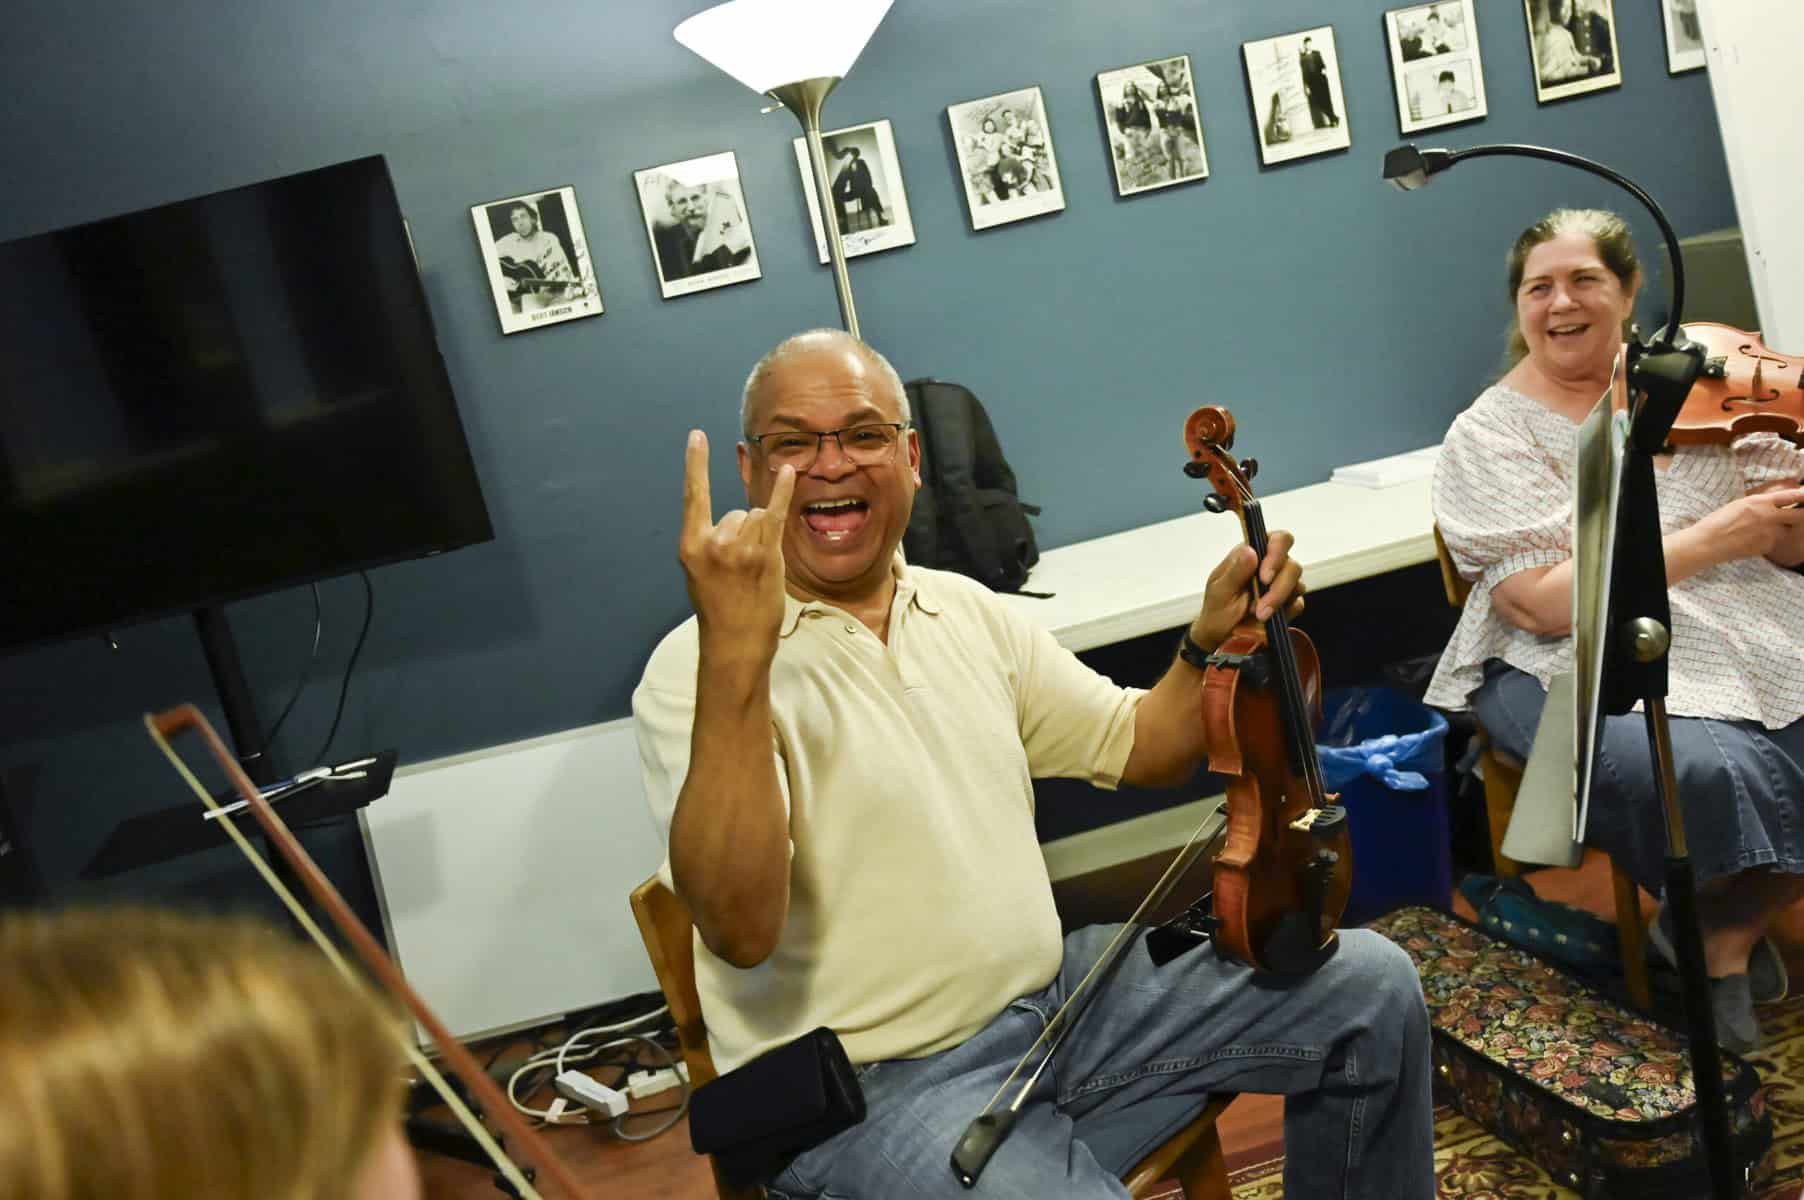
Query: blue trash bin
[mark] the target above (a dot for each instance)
(1385, 753)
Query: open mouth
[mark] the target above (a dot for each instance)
(1567, 331)
(836, 520)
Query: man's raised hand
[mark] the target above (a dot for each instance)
(734, 566)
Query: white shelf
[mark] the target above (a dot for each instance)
(1143, 580)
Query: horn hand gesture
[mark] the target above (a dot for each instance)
(734, 566)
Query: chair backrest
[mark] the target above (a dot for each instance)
(1451, 580)
(669, 933)
(665, 924)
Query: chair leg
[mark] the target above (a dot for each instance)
(1632, 935)
(1203, 1170)
(1501, 782)
(1193, 1156)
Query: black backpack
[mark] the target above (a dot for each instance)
(967, 516)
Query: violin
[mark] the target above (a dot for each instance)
(1744, 388)
(163, 727)
(1285, 867)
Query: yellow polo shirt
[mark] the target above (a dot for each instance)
(919, 904)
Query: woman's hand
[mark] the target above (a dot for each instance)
(1754, 526)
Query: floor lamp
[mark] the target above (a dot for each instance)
(1622, 616)
(796, 52)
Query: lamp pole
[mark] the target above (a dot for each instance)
(804, 99)
(1638, 618)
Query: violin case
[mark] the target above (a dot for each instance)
(1595, 1093)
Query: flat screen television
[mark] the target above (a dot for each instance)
(220, 397)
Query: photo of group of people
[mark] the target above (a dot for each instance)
(1435, 65)
(695, 217)
(1573, 45)
(537, 259)
(865, 179)
(1155, 136)
(1005, 157)
(1294, 81)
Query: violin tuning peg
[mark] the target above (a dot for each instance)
(1215, 502)
(1249, 467)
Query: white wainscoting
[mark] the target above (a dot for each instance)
(504, 876)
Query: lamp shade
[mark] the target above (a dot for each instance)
(765, 44)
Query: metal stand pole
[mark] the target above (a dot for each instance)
(804, 99)
(1694, 977)
(1639, 625)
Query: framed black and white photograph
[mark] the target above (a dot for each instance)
(1572, 45)
(1294, 84)
(1155, 135)
(538, 263)
(1435, 68)
(1684, 40)
(1005, 157)
(695, 216)
(866, 180)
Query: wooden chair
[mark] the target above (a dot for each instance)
(1503, 778)
(1192, 1156)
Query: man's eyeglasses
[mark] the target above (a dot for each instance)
(863, 445)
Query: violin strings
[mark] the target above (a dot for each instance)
(1296, 725)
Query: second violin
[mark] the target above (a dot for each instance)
(1744, 388)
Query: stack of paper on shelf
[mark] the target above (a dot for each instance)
(1387, 472)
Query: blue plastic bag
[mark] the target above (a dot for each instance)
(1396, 758)
(1385, 754)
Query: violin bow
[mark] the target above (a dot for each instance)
(166, 725)
(989, 1129)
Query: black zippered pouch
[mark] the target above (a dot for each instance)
(756, 1118)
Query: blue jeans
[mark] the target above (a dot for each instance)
(1348, 1045)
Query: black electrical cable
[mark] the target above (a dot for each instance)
(369, 611)
(306, 672)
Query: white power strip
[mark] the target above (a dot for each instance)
(649, 1083)
(596, 1097)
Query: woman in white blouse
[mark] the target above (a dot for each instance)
(1502, 499)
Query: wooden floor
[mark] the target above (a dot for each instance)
(666, 1169)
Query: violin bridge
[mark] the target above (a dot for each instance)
(1307, 821)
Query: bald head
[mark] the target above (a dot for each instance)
(815, 341)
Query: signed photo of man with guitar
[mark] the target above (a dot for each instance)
(538, 264)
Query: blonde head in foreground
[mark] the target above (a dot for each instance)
(156, 1056)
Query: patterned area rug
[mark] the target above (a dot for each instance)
(1472, 1164)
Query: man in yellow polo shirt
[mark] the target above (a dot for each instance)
(839, 749)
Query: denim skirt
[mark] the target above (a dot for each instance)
(1741, 786)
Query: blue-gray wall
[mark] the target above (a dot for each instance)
(1339, 319)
